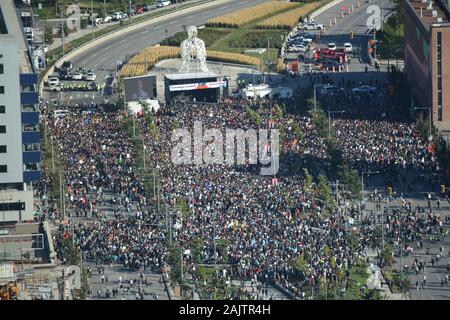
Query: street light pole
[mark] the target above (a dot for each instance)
(92, 19)
(329, 119)
(362, 183)
(143, 151)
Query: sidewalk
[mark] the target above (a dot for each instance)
(377, 281)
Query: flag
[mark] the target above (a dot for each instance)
(274, 181)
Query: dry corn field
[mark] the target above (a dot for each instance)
(237, 18)
(288, 20)
(148, 57)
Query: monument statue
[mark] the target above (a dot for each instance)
(193, 52)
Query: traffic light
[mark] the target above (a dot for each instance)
(389, 190)
(442, 188)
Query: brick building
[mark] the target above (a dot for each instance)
(427, 56)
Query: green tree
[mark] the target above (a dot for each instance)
(48, 34)
(65, 30)
(350, 178)
(307, 180)
(320, 122)
(300, 265)
(325, 194)
(83, 23)
(278, 112)
(298, 132)
(386, 256)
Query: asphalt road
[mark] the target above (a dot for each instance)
(432, 289)
(103, 58)
(356, 22)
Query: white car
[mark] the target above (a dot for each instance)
(90, 75)
(348, 47)
(53, 81)
(332, 46)
(54, 87)
(77, 75)
(116, 16)
(364, 89)
(107, 19)
(312, 26)
(162, 3)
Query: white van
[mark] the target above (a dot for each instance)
(162, 3)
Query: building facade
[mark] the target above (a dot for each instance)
(427, 57)
(19, 119)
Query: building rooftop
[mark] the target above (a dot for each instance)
(431, 12)
(11, 32)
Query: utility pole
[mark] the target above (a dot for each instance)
(143, 151)
(154, 185)
(362, 184)
(62, 29)
(53, 157)
(134, 127)
(329, 119)
(158, 197)
(92, 20)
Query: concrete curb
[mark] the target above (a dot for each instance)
(113, 34)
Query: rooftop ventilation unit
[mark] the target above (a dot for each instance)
(434, 13)
(439, 19)
(430, 5)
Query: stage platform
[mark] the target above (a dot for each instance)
(198, 86)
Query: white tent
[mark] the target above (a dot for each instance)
(136, 106)
(261, 91)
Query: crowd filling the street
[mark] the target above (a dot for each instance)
(299, 230)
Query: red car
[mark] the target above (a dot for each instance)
(139, 10)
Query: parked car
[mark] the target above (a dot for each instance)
(97, 21)
(67, 65)
(53, 81)
(92, 86)
(77, 75)
(139, 10)
(330, 89)
(90, 75)
(364, 89)
(348, 47)
(162, 3)
(332, 46)
(64, 75)
(149, 7)
(54, 87)
(107, 19)
(312, 26)
(116, 16)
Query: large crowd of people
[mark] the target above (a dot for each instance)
(270, 228)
